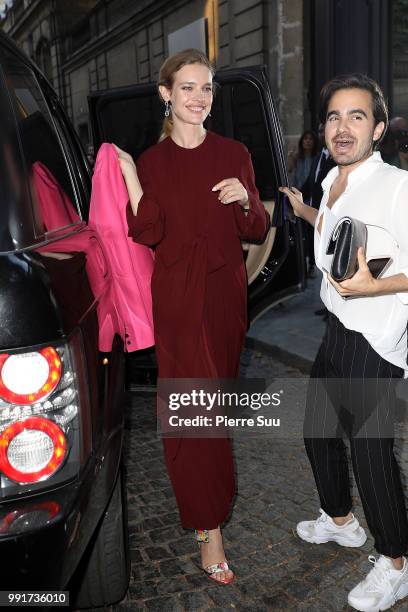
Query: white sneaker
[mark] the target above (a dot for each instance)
(324, 529)
(382, 588)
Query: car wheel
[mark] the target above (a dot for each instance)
(105, 573)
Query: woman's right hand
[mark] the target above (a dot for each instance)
(295, 197)
(133, 186)
(127, 165)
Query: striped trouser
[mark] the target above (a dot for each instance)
(351, 391)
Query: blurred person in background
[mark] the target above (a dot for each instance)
(301, 163)
(312, 188)
(312, 194)
(398, 124)
(299, 166)
(394, 147)
(399, 128)
(389, 149)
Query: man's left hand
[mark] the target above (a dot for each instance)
(232, 190)
(361, 284)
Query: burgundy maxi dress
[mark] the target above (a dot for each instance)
(199, 291)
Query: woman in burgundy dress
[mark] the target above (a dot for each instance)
(193, 197)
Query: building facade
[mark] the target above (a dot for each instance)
(86, 45)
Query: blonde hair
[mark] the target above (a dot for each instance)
(166, 76)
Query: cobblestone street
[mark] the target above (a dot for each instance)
(275, 570)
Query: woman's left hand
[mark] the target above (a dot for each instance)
(231, 190)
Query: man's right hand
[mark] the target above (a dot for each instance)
(295, 198)
(302, 210)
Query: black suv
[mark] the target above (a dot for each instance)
(62, 518)
(62, 502)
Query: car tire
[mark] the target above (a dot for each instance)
(106, 569)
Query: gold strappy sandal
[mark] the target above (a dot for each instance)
(202, 537)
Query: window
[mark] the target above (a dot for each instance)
(43, 57)
(237, 112)
(134, 124)
(133, 120)
(52, 196)
(83, 133)
(400, 58)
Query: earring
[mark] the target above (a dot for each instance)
(167, 109)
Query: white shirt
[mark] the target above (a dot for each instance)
(376, 194)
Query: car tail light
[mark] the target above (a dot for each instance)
(41, 397)
(29, 377)
(33, 516)
(32, 449)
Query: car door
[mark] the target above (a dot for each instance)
(243, 109)
(57, 389)
(46, 229)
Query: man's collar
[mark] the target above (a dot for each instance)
(363, 170)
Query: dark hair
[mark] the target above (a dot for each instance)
(315, 149)
(356, 81)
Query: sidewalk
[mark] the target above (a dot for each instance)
(291, 329)
(275, 569)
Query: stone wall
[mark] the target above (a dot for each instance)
(269, 32)
(291, 71)
(120, 42)
(241, 33)
(250, 32)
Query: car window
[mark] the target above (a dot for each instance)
(53, 199)
(75, 154)
(132, 124)
(238, 113)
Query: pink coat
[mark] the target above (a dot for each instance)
(131, 263)
(58, 211)
(119, 270)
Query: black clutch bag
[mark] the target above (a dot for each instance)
(347, 236)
